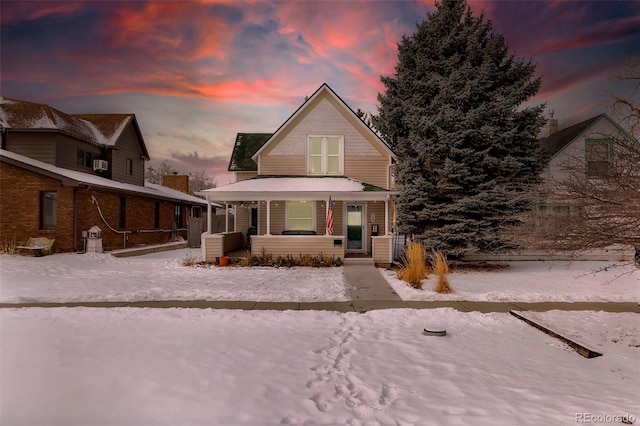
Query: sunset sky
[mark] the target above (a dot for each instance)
(195, 73)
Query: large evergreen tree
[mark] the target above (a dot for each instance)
(466, 148)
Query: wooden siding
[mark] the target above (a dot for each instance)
(67, 154)
(575, 154)
(376, 207)
(382, 250)
(127, 146)
(242, 218)
(212, 247)
(295, 245)
(289, 165)
(40, 146)
(372, 170)
(240, 176)
(364, 158)
(277, 217)
(233, 241)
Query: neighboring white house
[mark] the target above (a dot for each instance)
(590, 141)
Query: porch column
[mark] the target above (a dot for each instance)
(209, 208)
(235, 218)
(386, 217)
(268, 217)
(226, 217)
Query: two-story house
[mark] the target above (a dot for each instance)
(321, 183)
(590, 142)
(62, 174)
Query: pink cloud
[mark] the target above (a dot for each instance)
(27, 10)
(602, 33)
(162, 27)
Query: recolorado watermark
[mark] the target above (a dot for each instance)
(627, 419)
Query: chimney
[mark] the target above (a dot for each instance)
(552, 124)
(177, 182)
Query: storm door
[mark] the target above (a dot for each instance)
(355, 228)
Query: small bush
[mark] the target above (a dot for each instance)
(440, 267)
(414, 266)
(289, 261)
(188, 260)
(8, 246)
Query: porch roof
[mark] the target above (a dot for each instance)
(286, 188)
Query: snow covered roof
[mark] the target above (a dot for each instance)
(76, 178)
(97, 129)
(296, 188)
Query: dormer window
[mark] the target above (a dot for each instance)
(325, 155)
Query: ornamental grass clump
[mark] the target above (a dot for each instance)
(440, 268)
(414, 267)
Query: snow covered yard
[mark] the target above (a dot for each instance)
(128, 366)
(132, 366)
(580, 281)
(161, 276)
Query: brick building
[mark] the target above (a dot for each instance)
(62, 174)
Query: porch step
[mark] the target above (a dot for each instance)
(358, 261)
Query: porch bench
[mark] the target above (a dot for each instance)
(38, 246)
(298, 232)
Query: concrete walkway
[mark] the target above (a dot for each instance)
(369, 290)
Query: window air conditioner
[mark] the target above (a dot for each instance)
(100, 165)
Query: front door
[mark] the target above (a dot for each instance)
(355, 228)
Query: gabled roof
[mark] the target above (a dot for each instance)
(96, 129)
(111, 127)
(246, 145)
(557, 141)
(76, 178)
(324, 88)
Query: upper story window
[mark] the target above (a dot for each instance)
(129, 166)
(84, 158)
(325, 155)
(599, 155)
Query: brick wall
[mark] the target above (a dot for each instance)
(139, 219)
(177, 182)
(20, 207)
(20, 213)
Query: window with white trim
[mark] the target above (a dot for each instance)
(301, 216)
(598, 158)
(325, 155)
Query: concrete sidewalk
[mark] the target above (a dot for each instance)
(362, 306)
(368, 289)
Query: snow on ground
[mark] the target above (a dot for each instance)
(580, 281)
(133, 366)
(161, 276)
(128, 366)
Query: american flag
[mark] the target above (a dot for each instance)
(330, 217)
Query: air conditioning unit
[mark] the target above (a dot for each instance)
(100, 165)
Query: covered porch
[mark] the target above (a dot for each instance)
(293, 216)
